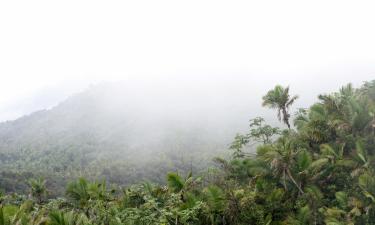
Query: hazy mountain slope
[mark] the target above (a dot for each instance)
(116, 131)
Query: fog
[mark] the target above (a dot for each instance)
(128, 91)
(140, 127)
(50, 50)
(189, 94)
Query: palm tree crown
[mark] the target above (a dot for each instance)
(280, 99)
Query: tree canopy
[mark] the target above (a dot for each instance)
(318, 171)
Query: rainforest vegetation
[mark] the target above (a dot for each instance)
(141, 135)
(318, 168)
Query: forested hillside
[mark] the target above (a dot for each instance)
(116, 132)
(320, 170)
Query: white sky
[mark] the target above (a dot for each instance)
(60, 47)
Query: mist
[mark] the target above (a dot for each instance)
(50, 51)
(196, 94)
(187, 112)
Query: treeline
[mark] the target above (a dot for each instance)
(319, 170)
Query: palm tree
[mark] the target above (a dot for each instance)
(177, 184)
(279, 98)
(78, 192)
(60, 218)
(302, 217)
(67, 218)
(281, 158)
(313, 124)
(182, 186)
(216, 204)
(38, 189)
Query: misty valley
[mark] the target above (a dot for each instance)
(154, 159)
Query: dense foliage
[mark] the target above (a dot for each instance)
(95, 135)
(319, 171)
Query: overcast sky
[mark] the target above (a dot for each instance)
(51, 49)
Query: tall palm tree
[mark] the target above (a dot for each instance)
(282, 157)
(280, 99)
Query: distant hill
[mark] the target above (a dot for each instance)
(118, 132)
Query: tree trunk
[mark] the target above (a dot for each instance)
(286, 117)
(284, 182)
(294, 181)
